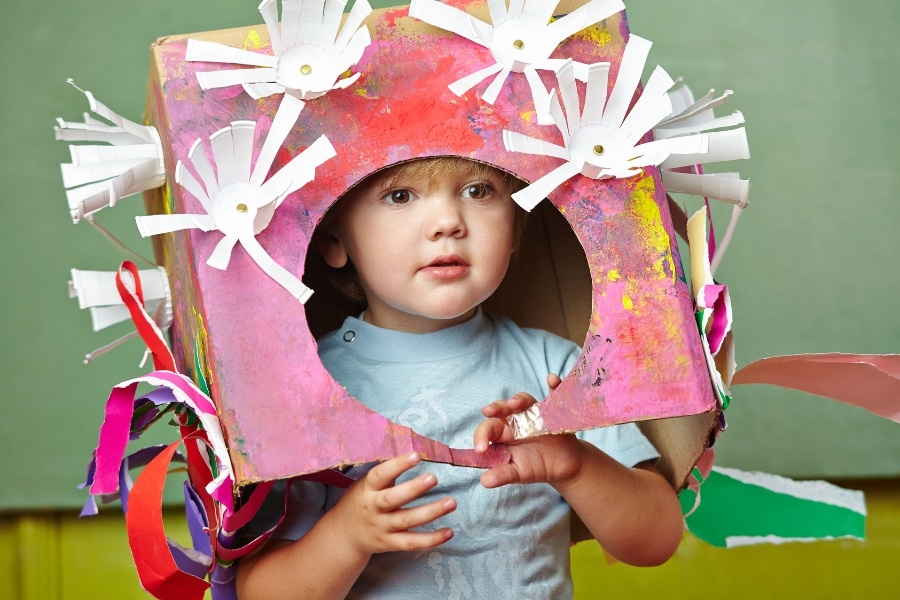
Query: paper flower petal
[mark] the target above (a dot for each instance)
(237, 200)
(683, 173)
(310, 50)
(97, 292)
(520, 38)
(602, 137)
(100, 175)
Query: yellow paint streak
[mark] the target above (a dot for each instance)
(601, 37)
(527, 115)
(202, 343)
(167, 203)
(361, 92)
(627, 303)
(613, 275)
(649, 223)
(253, 42)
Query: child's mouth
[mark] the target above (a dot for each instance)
(446, 267)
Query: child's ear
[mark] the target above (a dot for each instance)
(332, 250)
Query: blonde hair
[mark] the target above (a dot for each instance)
(346, 279)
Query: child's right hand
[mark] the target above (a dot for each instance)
(372, 517)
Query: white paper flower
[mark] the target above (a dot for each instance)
(237, 201)
(683, 173)
(520, 39)
(604, 139)
(97, 292)
(130, 161)
(310, 50)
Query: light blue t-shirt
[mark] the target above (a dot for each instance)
(512, 542)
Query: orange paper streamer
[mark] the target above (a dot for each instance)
(155, 564)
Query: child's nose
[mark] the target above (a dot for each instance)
(445, 217)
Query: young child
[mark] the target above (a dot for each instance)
(426, 242)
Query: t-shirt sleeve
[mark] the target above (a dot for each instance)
(625, 443)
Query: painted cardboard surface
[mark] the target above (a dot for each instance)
(282, 412)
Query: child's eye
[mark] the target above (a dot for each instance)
(477, 191)
(398, 197)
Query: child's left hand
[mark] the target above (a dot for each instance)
(546, 458)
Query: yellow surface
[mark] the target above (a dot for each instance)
(57, 555)
(842, 569)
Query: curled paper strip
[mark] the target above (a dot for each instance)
(132, 295)
(310, 51)
(99, 175)
(98, 292)
(237, 201)
(158, 566)
(135, 460)
(713, 307)
(603, 140)
(520, 39)
(114, 432)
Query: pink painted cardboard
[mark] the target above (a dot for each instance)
(282, 413)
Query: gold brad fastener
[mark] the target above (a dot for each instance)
(598, 149)
(518, 44)
(306, 69)
(242, 208)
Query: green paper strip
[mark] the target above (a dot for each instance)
(739, 508)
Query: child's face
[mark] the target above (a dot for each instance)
(428, 250)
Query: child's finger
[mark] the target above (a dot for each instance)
(553, 381)
(500, 475)
(496, 409)
(488, 431)
(417, 516)
(500, 409)
(383, 476)
(397, 496)
(520, 402)
(421, 540)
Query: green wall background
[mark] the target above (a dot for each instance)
(812, 268)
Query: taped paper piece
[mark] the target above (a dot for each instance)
(100, 175)
(869, 381)
(741, 508)
(237, 201)
(310, 51)
(603, 139)
(712, 304)
(520, 39)
(526, 424)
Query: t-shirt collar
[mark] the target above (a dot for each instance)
(389, 345)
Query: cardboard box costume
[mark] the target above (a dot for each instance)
(259, 130)
(282, 412)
